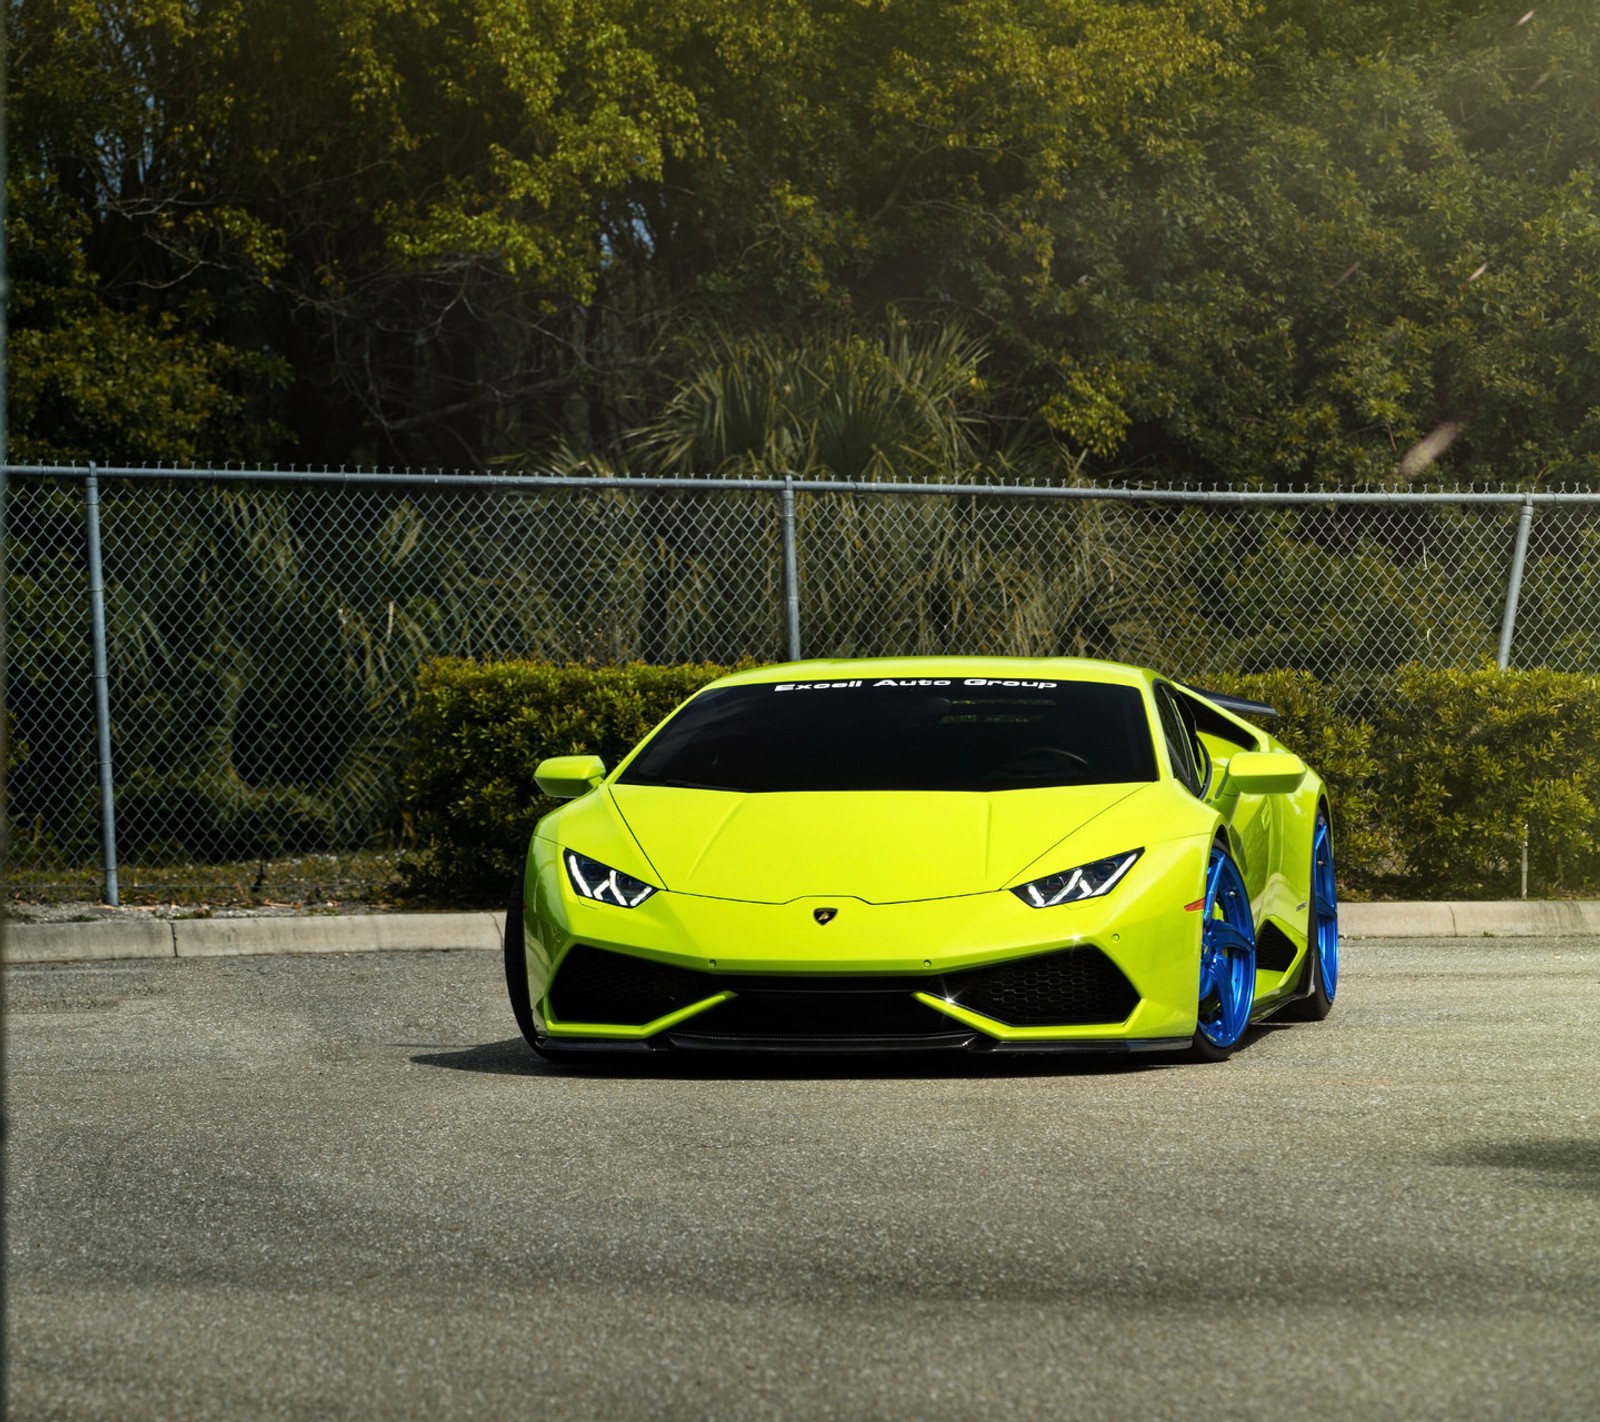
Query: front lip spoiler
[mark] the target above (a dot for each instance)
(974, 1042)
(1111, 1044)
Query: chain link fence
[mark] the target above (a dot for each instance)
(263, 631)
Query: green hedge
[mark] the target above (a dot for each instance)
(477, 733)
(1432, 795)
(1475, 761)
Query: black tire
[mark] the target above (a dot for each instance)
(1201, 1052)
(1320, 912)
(517, 970)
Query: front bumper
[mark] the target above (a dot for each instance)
(979, 972)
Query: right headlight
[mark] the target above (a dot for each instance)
(603, 884)
(1087, 881)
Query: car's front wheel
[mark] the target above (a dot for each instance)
(1227, 961)
(1322, 930)
(517, 967)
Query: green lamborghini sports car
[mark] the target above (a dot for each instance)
(988, 854)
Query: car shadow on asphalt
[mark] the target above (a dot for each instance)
(1571, 1164)
(513, 1057)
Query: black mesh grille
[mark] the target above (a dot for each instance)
(1071, 988)
(594, 985)
(793, 1007)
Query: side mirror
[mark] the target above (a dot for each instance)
(1263, 773)
(565, 777)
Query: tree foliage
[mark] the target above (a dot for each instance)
(388, 199)
(908, 406)
(1199, 239)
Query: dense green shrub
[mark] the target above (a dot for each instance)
(1471, 761)
(477, 733)
(1430, 797)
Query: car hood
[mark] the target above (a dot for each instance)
(877, 846)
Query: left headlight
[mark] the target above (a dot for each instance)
(1087, 881)
(603, 884)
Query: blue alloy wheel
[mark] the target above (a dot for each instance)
(1227, 959)
(1320, 979)
(1325, 908)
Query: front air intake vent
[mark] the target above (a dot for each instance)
(596, 985)
(821, 1013)
(1071, 988)
(826, 1007)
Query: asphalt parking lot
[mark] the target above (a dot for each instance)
(335, 1187)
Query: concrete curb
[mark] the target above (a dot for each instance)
(132, 937)
(1517, 918)
(141, 937)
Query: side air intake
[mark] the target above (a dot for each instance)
(1071, 988)
(596, 985)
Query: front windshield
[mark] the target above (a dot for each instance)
(972, 733)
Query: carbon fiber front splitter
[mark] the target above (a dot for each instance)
(975, 1042)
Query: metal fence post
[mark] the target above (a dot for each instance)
(791, 570)
(1519, 557)
(102, 697)
(5, 459)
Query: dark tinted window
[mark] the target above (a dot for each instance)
(1212, 722)
(1183, 746)
(901, 735)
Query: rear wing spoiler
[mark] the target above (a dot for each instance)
(1239, 705)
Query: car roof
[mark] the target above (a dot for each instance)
(989, 668)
